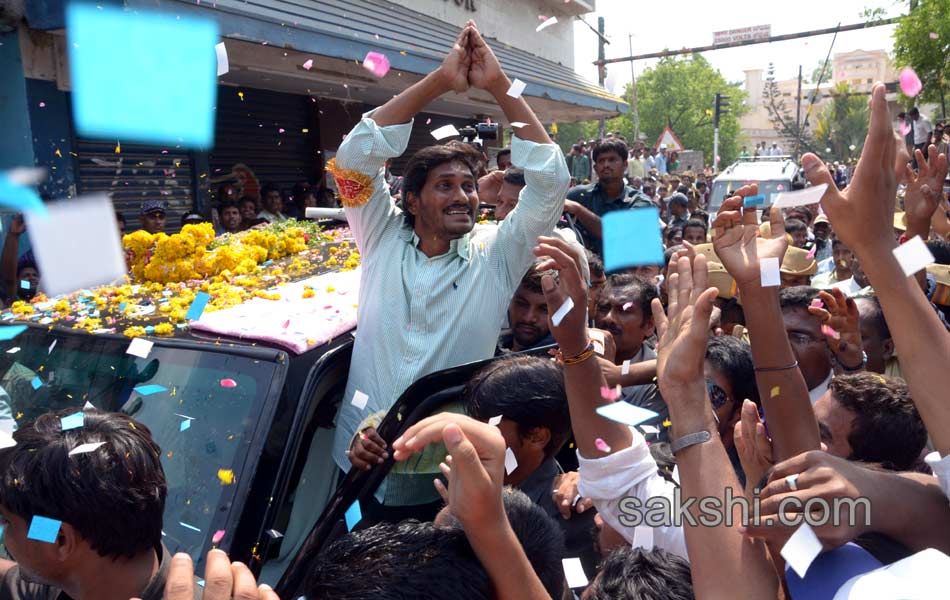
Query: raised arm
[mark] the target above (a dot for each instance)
(11, 245)
(588, 219)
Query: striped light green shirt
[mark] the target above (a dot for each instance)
(418, 315)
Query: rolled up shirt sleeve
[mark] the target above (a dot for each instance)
(540, 203)
(365, 151)
(630, 473)
(941, 468)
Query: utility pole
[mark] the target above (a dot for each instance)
(798, 116)
(633, 87)
(601, 67)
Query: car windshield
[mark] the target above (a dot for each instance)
(201, 406)
(768, 188)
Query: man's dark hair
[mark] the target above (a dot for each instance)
(594, 263)
(799, 296)
(541, 538)
(874, 315)
(225, 205)
(696, 223)
(940, 249)
(532, 279)
(577, 148)
(114, 497)
(526, 390)
(668, 253)
(430, 157)
(247, 198)
(887, 428)
(914, 112)
(503, 152)
(268, 188)
(638, 574)
(670, 232)
(733, 357)
(627, 287)
(792, 225)
(835, 242)
(515, 176)
(612, 145)
(27, 261)
(120, 218)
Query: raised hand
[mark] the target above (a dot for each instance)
(737, 240)
(17, 226)
(753, 446)
(485, 72)
(224, 580)
(924, 189)
(368, 449)
(456, 64)
(571, 332)
(842, 327)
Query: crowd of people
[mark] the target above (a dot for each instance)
(821, 387)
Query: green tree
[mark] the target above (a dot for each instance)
(569, 133)
(922, 41)
(783, 120)
(842, 125)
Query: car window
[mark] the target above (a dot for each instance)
(767, 188)
(202, 414)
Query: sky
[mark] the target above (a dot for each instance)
(690, 23)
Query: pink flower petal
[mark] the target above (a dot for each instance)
(218, 536)
(602, 445)
(826, 330)
(904, 128)
(910, 83)
(308, 65)
(376, 63)
(811, 253)
(933, 35)
(817, 303)
(610, 393)
(228, 383)
(42, 104)
(281, 130)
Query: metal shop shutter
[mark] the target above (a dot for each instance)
(248, 133)
(136, 174)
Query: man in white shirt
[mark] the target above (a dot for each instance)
(660, 160)
(776, 150)
(922, 129)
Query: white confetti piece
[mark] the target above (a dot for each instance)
(626, 413)
(140, 347)
(913, 255)
(560, 313)
(519, 124)
(769, 270)
(809, 195)
(517, 88)
(511, 463)
(445, 131)
(275, 534)
(547, 23)
(83, 448)
(649, 429)
(801, 549)
(222, 54)
(643, 537)
(88, 406)
(6, 440)
(495, 420)
(359, 400)
(625, 368)
(13, 350)
(574, 572)
(51, 346)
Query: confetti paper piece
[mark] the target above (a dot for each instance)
(811, 253)
(222, 54)
(517, 88)
(667, 423)
(628, 414)
(610, 393)
(910, 82)
(753, 200)
(140, 347)
(88, 406)
(904, 128)
(147, 390)
(186, 424)
(51, 346)
(67, 266)
(560, 313)
(574, 571)
(44, 529)
(226, 476)
(24, 284)
(632, 238)
(913, 255)
(627, 306)
(376, 63)
(228, 383)
(511, 463)
(817, 303)
(801, 549)
(120, 64)
(829, 331)
(218, 536)
(84, 448)
(359, 399)
(519, 124)
(445, 131)
(775, 392)
(8, 332)
(187, 526)
(197, 306)
(353, 515)
(809, 195)
(18, 196)
(37, 383)
(625, 368)
(643, 537)
(274, 534)
(495, 420)
(769, 271)
(933, 35)
(648, 429)
(547, 23)
(73, 421)
(13, 350)
(602, 445)
(308, 64)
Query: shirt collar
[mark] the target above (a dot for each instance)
(538, 484)
(624, 195)
(460, 246)
(822, 387)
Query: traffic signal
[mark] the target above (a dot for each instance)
(722, 107)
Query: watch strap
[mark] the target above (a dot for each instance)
(690, 439)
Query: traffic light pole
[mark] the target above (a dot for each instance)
(716, 149)
(720, 108)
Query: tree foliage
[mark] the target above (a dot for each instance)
(783, 119)
(922, 41)
(842, 125)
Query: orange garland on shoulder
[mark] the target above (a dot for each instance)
(354, 188)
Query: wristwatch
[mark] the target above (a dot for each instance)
(860, 367)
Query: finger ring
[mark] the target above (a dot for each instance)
(791, 480)
(577, 499)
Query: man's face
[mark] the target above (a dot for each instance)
(675, 238)
(834, 425)
(507, 199)
(597, 283)
(842, 256)
(808, 345)
(153, 222)
(694, 235)
(723, 400)
(448, 202)
(800, 238)
(789, 280)
(273, 202)
(528, 317)
(636, 183)
(528, 449)
(629, 327)
(248, 211)
(35, 559)
(860, 277)
(822, 231)
(231, 219)
(504, 161)
(879, 350)
(677, 210)
(610, 166)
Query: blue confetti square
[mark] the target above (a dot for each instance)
(11, 331)
(44, 529)
(19, 197)
(632, 238)
(37, 383)
(753, 200)
(197, 306)
(146, 390)
(186, 424)
(73, 421)
(353, 515)
(143, 76)
(24, 284)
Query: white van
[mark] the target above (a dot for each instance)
(774, 174)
